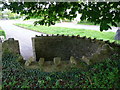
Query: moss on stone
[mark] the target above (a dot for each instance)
(57, 61)
(41, 61)
(73, 60)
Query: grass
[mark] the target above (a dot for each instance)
(2, 33)
(91, 23)
(86, 23)
(70, 31)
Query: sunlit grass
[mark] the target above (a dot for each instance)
(2, 33)
(70, 31)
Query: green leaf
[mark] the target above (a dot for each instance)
(114, 24)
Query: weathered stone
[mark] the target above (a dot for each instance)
(29, 61)
(100, 56)
(57, 61)
(86, 60)
(20, 59)
(11, 46)
(41, 61)
(11, 39)
(72, 60)
(105, 46)
(57, 46)
(117, 36)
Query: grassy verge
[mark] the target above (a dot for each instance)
(91, 23)
(86, 23)
(2, 33)
(70, 31)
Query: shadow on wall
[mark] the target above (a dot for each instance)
(81, 48)
(58, 48)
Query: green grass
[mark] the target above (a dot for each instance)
(2, 33)
(86, 23)
(91, 23)
(70, 31)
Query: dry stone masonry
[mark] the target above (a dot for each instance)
(72, 60)
(57, 61)
(57, 49)
(73, 48)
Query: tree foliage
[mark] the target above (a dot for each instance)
(103, 13)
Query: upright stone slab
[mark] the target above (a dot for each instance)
(86, 60)
(57, 61)
(41, 61)
(29, 61)
(72, 60)
(62, 46)
(11, 46)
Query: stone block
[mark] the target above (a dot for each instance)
(29, 61)
(86, 60)
(73, 60)
(41, 61)
(57, 61)
(57, 46)
(20, 59)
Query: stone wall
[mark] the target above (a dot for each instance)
(49, 47)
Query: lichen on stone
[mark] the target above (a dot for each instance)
(29, 61)
(57, 61)
(41, 61)
(73, 60)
